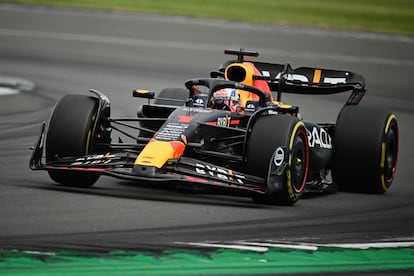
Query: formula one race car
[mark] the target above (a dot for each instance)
(227, 133)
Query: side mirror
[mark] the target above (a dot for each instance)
(140, 93)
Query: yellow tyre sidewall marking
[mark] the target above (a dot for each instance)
(383, 150)
(88, 138)
(288, 171)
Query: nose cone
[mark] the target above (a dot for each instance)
(156, 154)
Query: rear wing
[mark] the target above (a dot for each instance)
(282, 78)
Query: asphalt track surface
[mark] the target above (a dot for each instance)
(70, 51)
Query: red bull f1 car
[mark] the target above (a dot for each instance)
(229, 132)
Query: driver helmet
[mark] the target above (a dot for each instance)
(226, 99)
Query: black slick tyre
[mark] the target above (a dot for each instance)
(278, 152)
(365, 150)
(70, 133)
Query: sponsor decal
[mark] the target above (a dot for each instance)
(199, 102)
(250, 106)
(96, 159)
(171, 132)
(224, 121)
(266, 73)
(294, 77)
(196, 110)
(316, 77)
(319, 137)
(221, 173)
(334, 80)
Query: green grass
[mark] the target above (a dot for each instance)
(389, 16)
(219, 262)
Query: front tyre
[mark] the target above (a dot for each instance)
(70, 133)
(278, 152)
(365, 150)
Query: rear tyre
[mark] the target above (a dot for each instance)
(275, 139)
(172, 96)
(365, 150)
(70, 133)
